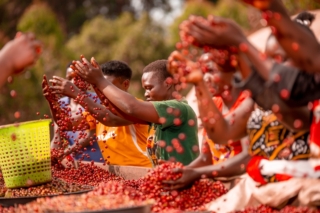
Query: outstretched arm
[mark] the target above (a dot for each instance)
(98, 111)
(300, 45)
(232, 167)
(127, 103)
(215, 32)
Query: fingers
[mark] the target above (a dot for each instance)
(85, 61)
(94, 63)
(80, 67)
(177, 170)
(30, 36)
(173, 185)
(57, 78)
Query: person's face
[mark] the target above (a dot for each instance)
(218, 82)
(275, 51)
(118, 82)
(155, 90)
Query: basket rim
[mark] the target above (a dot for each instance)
(26, 122)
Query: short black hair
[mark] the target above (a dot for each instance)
(305, 16)
(117, 69)
(160, 68)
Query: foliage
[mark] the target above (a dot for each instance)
(296, 6)
(226, 8)
(137, 42)
(41, 20)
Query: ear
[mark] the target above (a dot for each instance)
(126, 83)
(167, 85)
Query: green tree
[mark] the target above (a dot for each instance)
(42, 21)
(137, 42)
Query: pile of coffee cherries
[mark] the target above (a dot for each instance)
(287, 209)
(85, 174)
(200, 193)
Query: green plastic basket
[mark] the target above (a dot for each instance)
(25, 153)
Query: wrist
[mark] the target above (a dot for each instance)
(75, 94)
(102, 83)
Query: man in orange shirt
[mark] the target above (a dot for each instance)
(121, 141)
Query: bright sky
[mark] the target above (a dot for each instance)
(160, 15)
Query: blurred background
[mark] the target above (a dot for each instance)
(135, 31)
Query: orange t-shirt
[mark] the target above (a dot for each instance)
(122, 145)
(222, 152)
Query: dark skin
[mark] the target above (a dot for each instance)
(18, 54)
(100, 112)
(202, 167)
(215, 32)
(83, 141)
(144, 110)
(301, 46)
(222, 130)
(232, 126)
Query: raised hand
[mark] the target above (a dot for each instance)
(47, 92)
(181, 67)
(21, 52)
(215, 32)
(90, 72)
(64, 87)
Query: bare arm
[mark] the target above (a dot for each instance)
(300, 45)
(127, 103)
(232, 167)
(98, 111)
(204, 158)
(221, 129)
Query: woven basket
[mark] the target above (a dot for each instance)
(25, 153)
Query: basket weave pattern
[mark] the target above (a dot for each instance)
(25, 153)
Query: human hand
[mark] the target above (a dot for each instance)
(47, 92)
(215, 32)
(64, 87)
(181, 67)
(89, 71)
(104, 100)
(21, 52)
(189, 175)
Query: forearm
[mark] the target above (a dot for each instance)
(209, 112)
(219, 129)
(231, 167)
(101, 113)
(300, 45)
(252, 57)
(121, 99)
(205, 157)
(60, 116)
